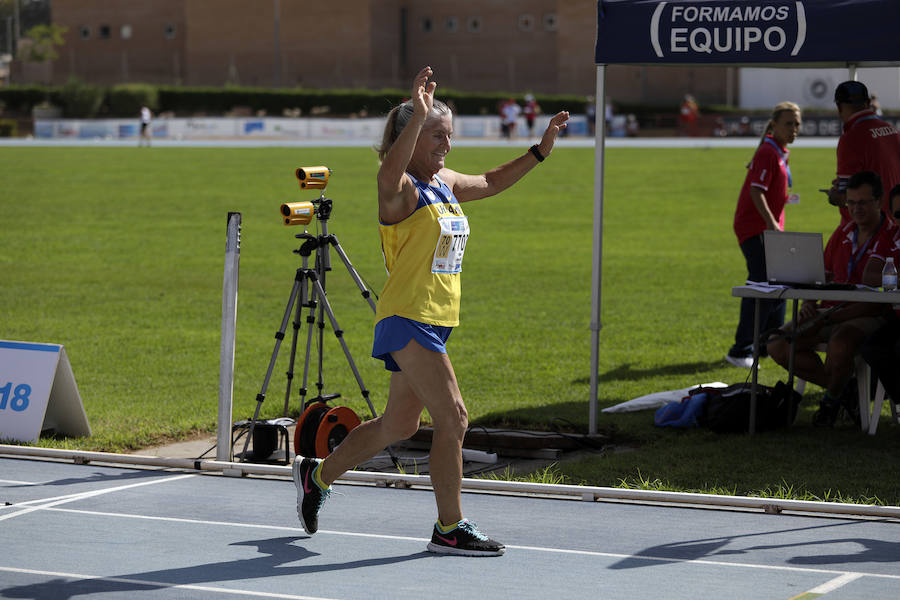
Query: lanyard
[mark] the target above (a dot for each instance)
(855, 256)
(781, 160)
(865, 118)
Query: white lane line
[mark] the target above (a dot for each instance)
(49, 503)
(160, 584)
(837, 582)
(714, 563)
(232, 524)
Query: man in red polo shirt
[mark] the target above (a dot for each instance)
(846, 327)
(867, 144)
(882, 349)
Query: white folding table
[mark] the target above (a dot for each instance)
(768, 292)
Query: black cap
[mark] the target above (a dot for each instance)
(851, 92)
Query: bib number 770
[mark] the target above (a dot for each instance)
(451, 245)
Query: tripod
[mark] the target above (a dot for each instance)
(309, 286)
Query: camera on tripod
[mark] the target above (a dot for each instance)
(298, 213)
(320, 427)
(301, 213)
(313, 178)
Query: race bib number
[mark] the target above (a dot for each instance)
(448, 255)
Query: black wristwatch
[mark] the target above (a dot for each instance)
(537, 153)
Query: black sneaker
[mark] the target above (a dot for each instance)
(310, 497)
(827, 413)
(850, 402)
(464, 540)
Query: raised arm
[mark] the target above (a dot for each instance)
(474, 187)
(396, 193)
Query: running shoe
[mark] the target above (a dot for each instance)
(465, 540)
(850, 402)
(741, 362)
(310, 497)
(827, 413)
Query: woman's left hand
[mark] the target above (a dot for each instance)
(557, 124)
(423, 92)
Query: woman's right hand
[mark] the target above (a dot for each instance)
(423, 93)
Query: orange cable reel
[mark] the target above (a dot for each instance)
(320, 429)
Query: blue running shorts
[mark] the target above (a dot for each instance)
(394, 333)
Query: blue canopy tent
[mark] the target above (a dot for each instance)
(774, 33)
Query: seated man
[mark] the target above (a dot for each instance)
(882, 349)
(885, 248)
(843, 327)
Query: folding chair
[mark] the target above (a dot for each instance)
(869, 408)
(876, 408)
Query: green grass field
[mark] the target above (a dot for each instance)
(118, 254)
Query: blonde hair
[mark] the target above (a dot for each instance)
(776, 114)
(781, 107)
(397, 120)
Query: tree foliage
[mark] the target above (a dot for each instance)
(42, 42)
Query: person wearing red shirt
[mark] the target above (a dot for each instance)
(761, 206)
(884, 249)
(868, 143)
(688, 115)
(843, 327)
(530, 110)
(882, 349)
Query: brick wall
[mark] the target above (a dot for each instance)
(96, 49)
(543, 46)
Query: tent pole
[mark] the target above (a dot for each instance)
(597, 254)
(851, 71)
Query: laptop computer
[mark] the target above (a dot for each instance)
(797, 260)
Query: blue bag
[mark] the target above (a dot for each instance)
(681, 414)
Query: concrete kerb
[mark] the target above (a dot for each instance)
(521, 462)
(585, 493)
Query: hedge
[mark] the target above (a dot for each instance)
(8, 128)
(78, 99)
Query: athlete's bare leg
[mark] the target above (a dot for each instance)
(427, 380)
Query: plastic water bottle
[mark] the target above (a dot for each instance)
(889, 275)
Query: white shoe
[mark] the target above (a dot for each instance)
(741, 362)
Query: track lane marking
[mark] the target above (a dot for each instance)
(160, 584)
(715, 563)
(828, 586)
(46, 503)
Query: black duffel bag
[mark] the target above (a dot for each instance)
(727, 410)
